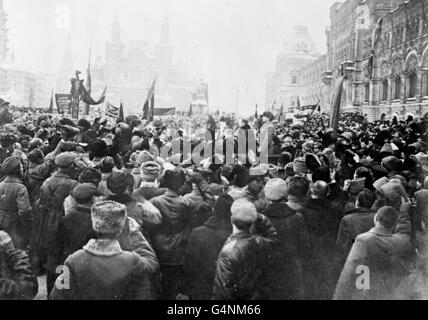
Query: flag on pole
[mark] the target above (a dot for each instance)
(88, 83)
(51, 105)
(149, 105)
(121, 113)
(281, 113)
(335, 105)
(89, 100)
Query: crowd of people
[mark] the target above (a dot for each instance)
(102, 212)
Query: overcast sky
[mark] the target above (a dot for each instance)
(230, 43)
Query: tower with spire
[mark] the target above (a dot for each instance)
(164, 51)
(164, 39)
(114, 47)
(3, 33)
(66, 69)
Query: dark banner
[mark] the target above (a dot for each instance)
(164, 112)
(335, 103)
(63, 102)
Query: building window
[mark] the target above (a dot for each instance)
(294, 79)
(426, 83)
(412, 85)
(367, 92)
(397, 94)
(385, 90)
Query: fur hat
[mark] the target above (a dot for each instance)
(84, 192)
(144, 156)
(390, 163)
(65, 160)
(268, 115)
(243, 211)
(84, 123)
(90, 175)
(150, 171)
(393, 191)
(97, 148)
(276, 189)
(36, 155)
(379, 183)
(174, 179)
(108, 217)
(119, 182)
(10, 164)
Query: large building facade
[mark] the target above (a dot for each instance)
(379, 46)
(129, 72)
(399, 84)
(286, 85)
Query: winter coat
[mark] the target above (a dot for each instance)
(36, 175)
(17, 280)
(385, 256)
(145, 213)
(354, 223)
(324, 270)
(51, 206)
(104, 271)
(148, 191)
(170, 241)
(15, 211)
(284, 279)
(242, 262)
(205, 243)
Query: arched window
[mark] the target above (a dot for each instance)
(385, 88)
(425, 80)
(412, 85)
(397, 92)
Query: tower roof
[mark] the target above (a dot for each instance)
(116, 30)
(300, 41)
(164, 40)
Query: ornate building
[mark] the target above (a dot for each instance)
(399, 84)
(314, 90)
(129, 71)
(285, 86)
(362, 31)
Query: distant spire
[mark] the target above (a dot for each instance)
(116, 30)
(66, 69)
(164, 40)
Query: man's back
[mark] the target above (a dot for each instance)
(382, 256)
(102, 271)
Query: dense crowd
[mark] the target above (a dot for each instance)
(105, 214)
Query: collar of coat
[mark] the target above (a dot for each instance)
(171, 194)
(218, 224)
(381, 231)
(10, 179)
(103, 247)
(60, 174)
